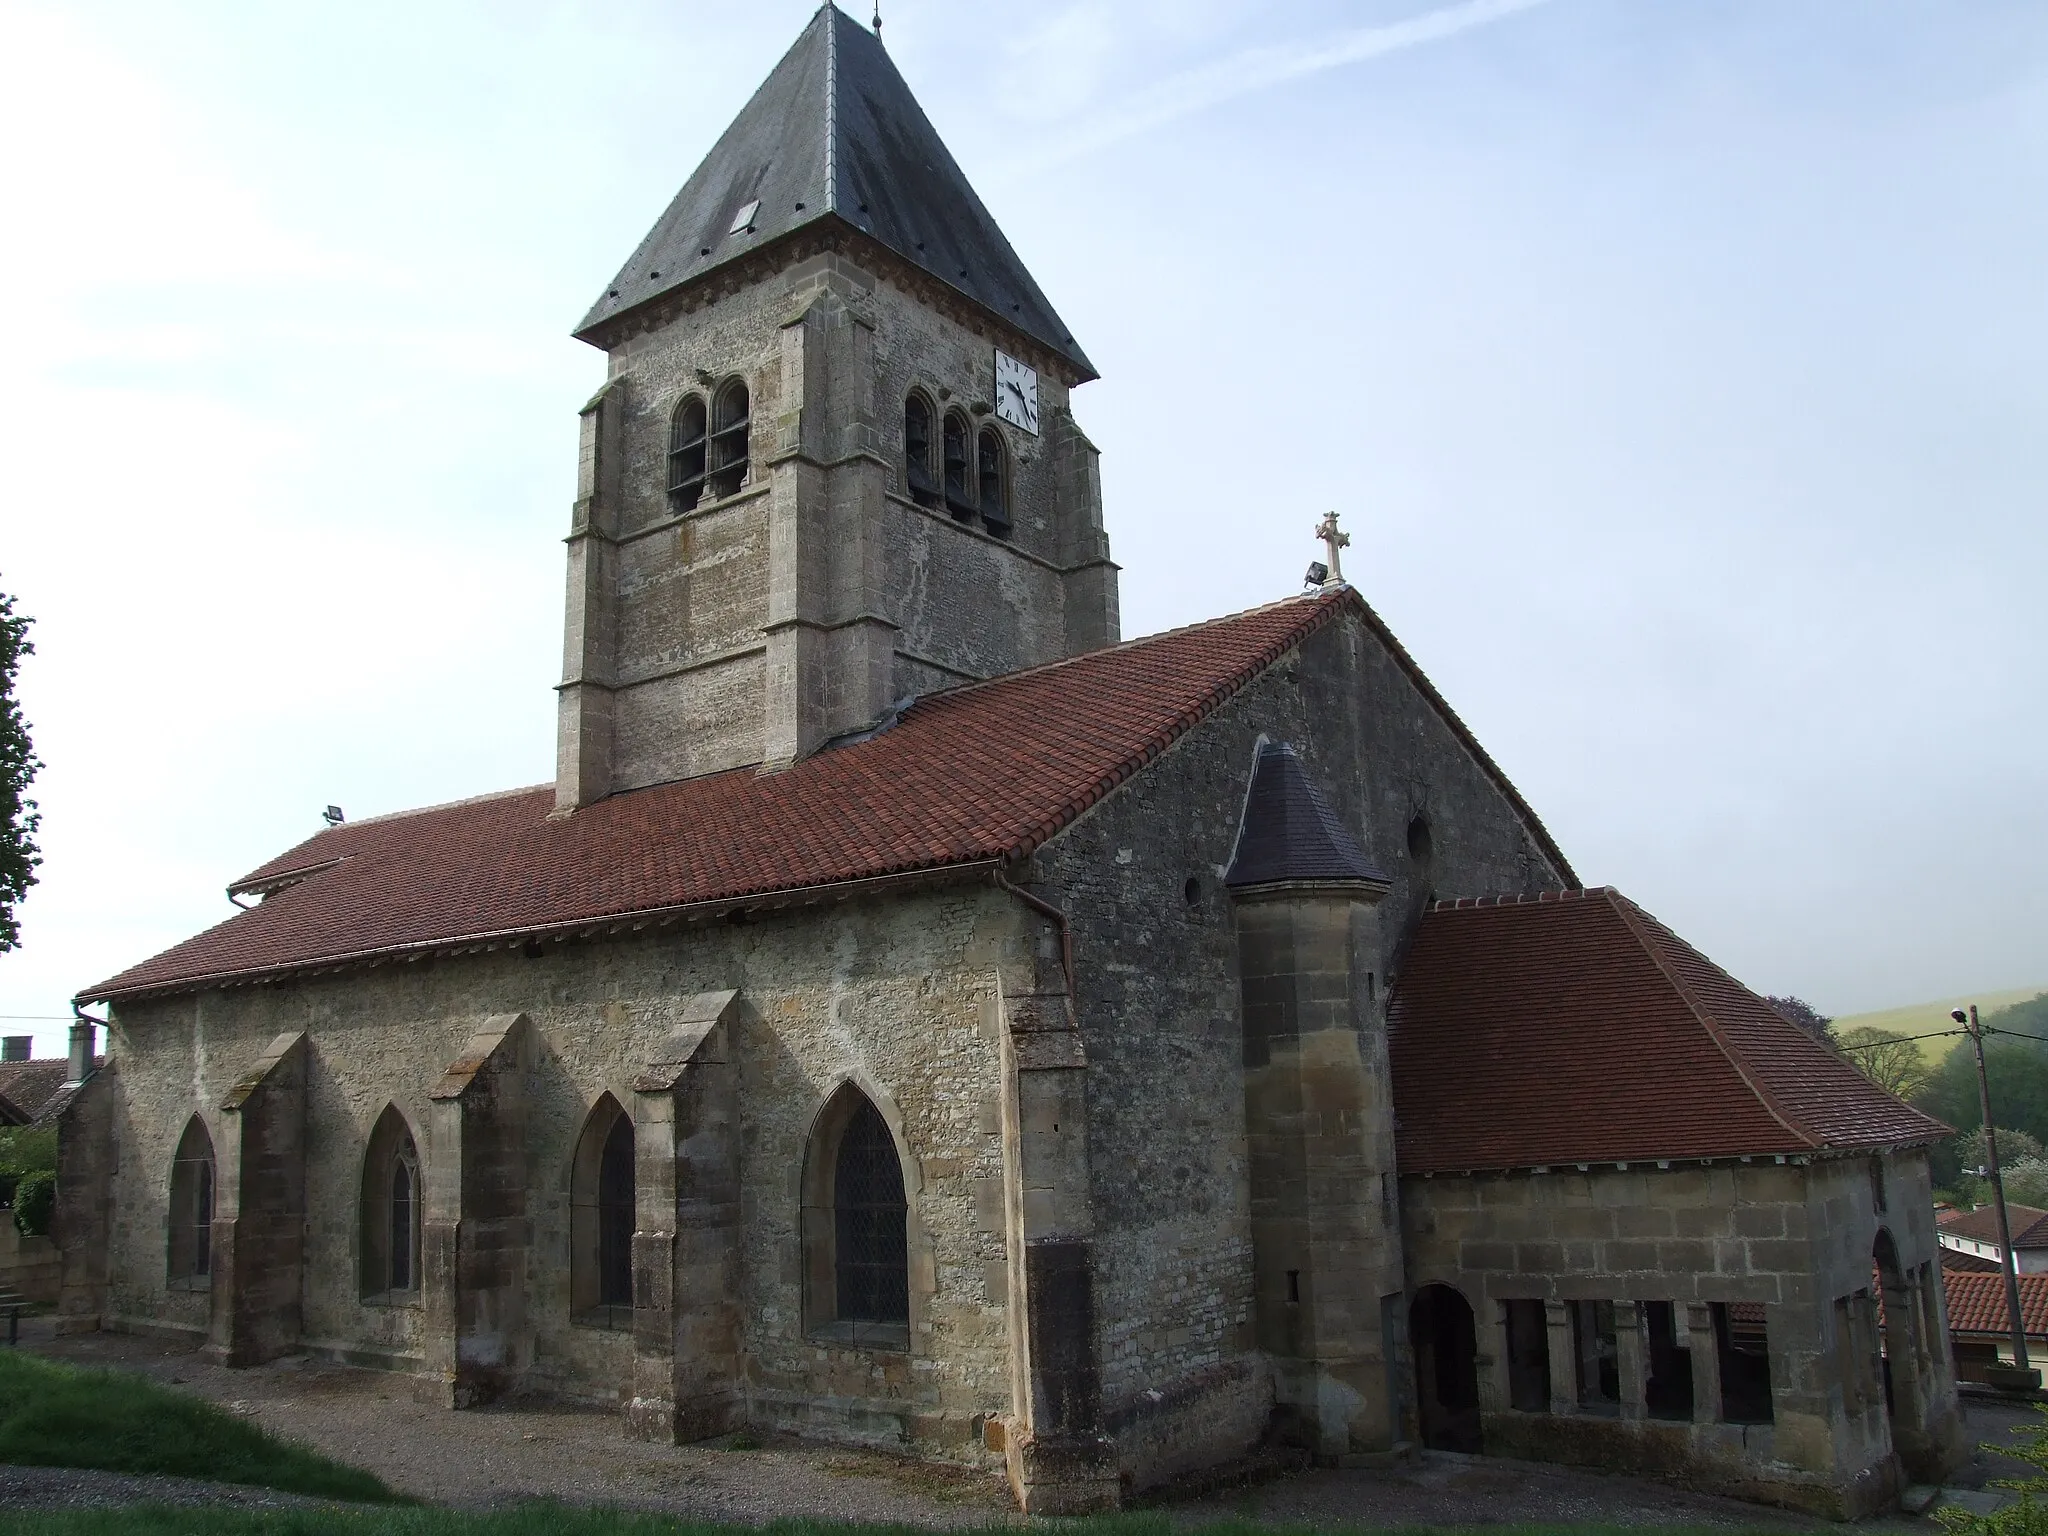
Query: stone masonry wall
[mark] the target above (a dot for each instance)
(899, 996)
(1793, 1238)
(1159, 1006)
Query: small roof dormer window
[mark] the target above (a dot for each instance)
(743, 221)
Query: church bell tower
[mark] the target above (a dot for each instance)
(832, 466)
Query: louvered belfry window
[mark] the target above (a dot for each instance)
(958, 501)
(687, 440)
(727, 470)
(872, 1272)
(917, 452)
(995, 482)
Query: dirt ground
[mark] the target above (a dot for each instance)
(497, 1456)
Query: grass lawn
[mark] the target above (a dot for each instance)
(55, 1415)
(555, 1520)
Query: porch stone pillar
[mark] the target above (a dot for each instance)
(1706, 1362)
(1630, 1362)
(1564, 1360)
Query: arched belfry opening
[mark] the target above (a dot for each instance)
(856, 1217)
(602, 1214)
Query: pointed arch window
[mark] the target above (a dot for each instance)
(688, 440)
(190, 1257)
(917, 451)
(994, 465)
(603, 1214)
(727, 453)
(870, 1256)
(391, 1212)
(959, 500)
(856, 1228)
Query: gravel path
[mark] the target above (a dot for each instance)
(497, 1456)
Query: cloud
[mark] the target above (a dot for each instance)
(1257, 69)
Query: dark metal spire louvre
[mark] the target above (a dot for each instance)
(834, 132)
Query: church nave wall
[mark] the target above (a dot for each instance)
(898, 996)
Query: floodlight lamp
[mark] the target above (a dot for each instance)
(1318, 573)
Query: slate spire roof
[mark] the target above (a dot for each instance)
(1289, 833)
(835, 134)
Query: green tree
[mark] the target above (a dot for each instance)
(19, 817)
(2025, 1179)
(1888, 1059)
(2018, 1073)
(2029, 1018)
(1797, 1010)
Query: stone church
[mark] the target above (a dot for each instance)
(916, 1017)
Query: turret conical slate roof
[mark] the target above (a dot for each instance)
(834, 133)
(1289, 831)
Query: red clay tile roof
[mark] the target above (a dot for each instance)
(1976, 1303)
(2029, 1225)
(974, 775)
(1576, 1028)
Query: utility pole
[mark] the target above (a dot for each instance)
(2008, 1260)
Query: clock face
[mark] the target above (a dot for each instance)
(1016, 392)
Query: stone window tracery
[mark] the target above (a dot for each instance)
(190, 1257)
(603, 1215)
(856, 1227)
(391, 1212)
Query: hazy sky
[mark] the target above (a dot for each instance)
(1680, 371)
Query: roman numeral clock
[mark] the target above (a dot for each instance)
(1016, 392)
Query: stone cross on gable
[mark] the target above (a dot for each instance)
(1334, 539)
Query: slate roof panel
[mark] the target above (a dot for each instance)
(1576, 1028)
(1289, 832)
(835, 133)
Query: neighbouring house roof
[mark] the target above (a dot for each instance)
(1968, 1263)
(834, 133)
(1576, 1028)
(1976, 1303)
(1289, 833)
(2029, 1225)
(971, 776)
(27, 1086)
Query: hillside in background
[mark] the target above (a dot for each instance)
(1928, 1018)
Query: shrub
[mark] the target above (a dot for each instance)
(35, 1202)
(2026, 1518)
